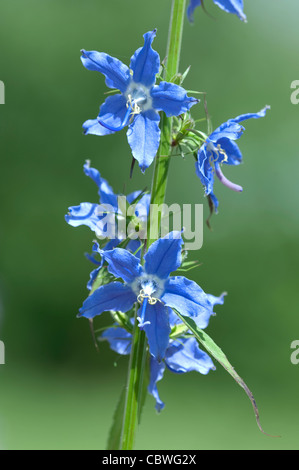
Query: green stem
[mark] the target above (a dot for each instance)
(162, 160)
(138, 355)
(134, 387)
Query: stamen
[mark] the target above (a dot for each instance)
(222, 152)
(215, 153)
(225, 181)
(134, 105)
(147, 298)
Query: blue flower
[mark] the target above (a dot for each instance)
(94, 215)
(230, 6)
(220, 147)
(153, 288)
(139, 101)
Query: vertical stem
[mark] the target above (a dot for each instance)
(139, 344)
(162, 160)
(134, 387)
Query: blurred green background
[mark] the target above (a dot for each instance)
(56, 391)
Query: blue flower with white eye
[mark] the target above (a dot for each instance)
(220, 147)
(139, 101)
(153, 288)
(235, 7)
(182, 354)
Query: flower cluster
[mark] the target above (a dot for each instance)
(138, 284)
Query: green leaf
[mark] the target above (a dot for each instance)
(114, 438)
(188, 265)
(219, 355)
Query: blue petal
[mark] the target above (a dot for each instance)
(232, 151)
(105, 191)
(92, 126)
(84, 214)
(188, 298)
(164, 256)
(92, 259)
(232, 6)
(144, 137)
(230, 130)
(134, 247)
(107, 195)
(172, 99)
(244, 117)
(142, 206)
(92, 173)
(117, 74)
(121, 263)
(157, 329)
(216, 300)
(184, 355)
(205, 173)
(113, 111)
(133, 196)
(156, 374)
(114, 296)
(92, 277)
(204, 169)
(191, 7)
(119, 339)
(145, 63)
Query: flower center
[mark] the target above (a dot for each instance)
(215, 153)
(138, 98)
(148, 286)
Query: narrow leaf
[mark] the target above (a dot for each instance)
(219, 355)
(114, 438)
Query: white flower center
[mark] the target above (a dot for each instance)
(148, 286)
(138, 96)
